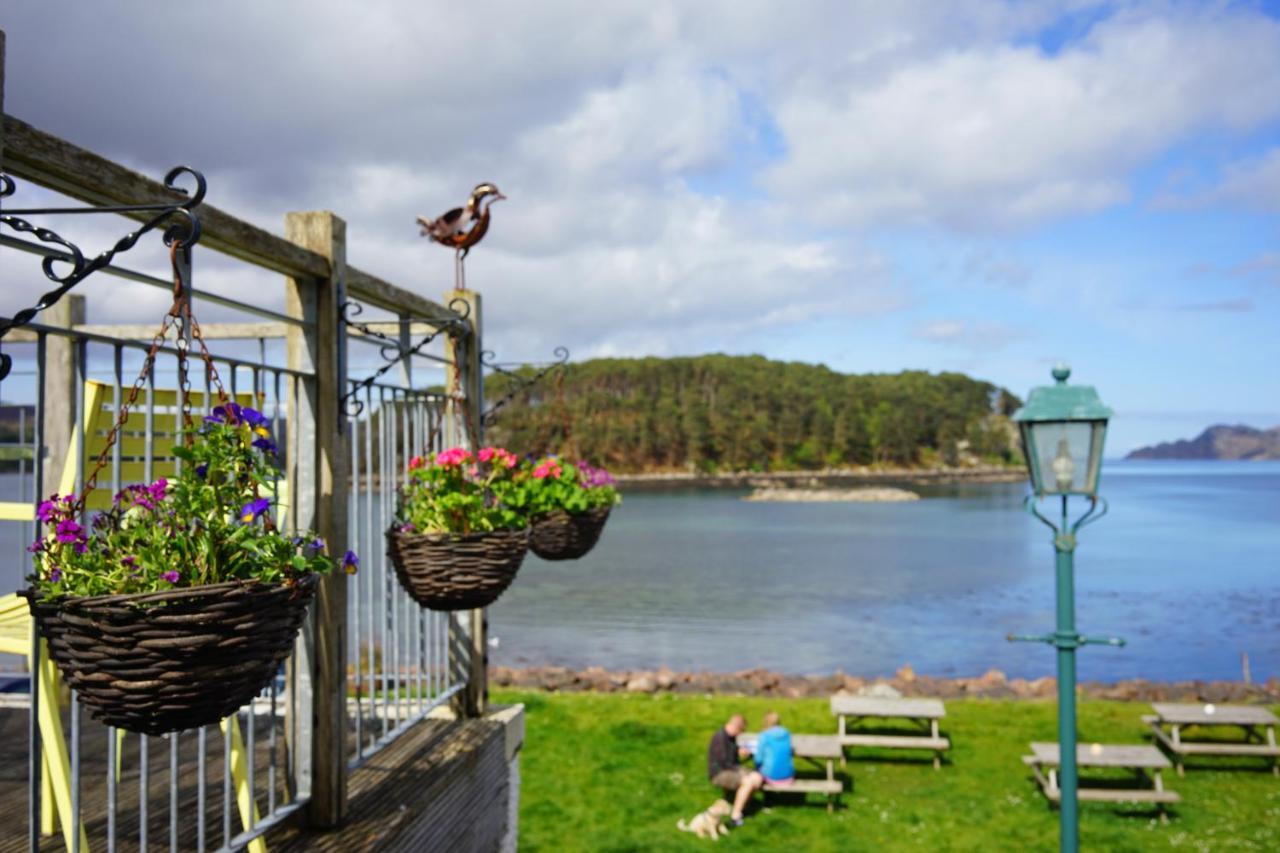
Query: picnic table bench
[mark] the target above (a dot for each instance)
(817, 749)
(1139, 758)
(850, 710)
(1255, 721)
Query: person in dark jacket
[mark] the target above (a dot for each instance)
(725, 772)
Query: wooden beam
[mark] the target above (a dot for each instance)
(325, 233)
(44, 159)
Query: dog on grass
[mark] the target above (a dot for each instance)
(708, 824)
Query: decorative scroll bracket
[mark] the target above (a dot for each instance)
(392, 352)
(525, 382)
(183, 234)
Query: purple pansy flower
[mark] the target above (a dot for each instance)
(253, 509)
(55, 575)
(171, 576)
(350, 562)
(202, 470)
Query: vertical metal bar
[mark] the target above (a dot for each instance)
(81, 446)
(182, 263)
(353, 536)
(271, 745)
(33, 722)
(370, 494)
(149, 427)
(1066, 641)
(385, 466)
(226, 782)
(202, 737)
(173, 791)
(112, 760)
(144, 781)
(249, 750)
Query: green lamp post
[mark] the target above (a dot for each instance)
(1063, 427)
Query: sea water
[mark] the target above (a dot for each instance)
(1185, 567)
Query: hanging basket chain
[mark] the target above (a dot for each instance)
(178, 317)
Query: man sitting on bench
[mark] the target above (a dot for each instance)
(725, 772)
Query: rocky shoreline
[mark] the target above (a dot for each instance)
(830, 478)
(905, 682)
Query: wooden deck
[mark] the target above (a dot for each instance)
(93, 774)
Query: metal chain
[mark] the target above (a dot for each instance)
(178, 317)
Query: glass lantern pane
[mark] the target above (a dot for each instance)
(1063, 450)
(1099, 430)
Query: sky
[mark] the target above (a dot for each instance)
(979, 186)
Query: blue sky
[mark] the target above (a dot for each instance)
(981, 186)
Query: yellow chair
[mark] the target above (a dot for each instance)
(15, 617)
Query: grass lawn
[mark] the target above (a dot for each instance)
(615, 772)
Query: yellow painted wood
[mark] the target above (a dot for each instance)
(14, 511)
(240, 778)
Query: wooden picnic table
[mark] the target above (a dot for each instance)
(850, 710)
(1146, 762)
(1258, 723)
(817, 749)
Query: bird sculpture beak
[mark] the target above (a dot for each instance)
(498, 197)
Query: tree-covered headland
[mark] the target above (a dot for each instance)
(719, 413)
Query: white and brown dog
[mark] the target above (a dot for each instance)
(710, 823)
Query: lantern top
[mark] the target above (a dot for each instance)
(1062, 402)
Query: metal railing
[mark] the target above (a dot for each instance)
(398, 655)
(224, 786)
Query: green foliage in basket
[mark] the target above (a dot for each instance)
(575, 488)
(208, 525)
(459, 492)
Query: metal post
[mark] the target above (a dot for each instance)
(1066, 640)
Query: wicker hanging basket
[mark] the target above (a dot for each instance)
(161, 662)
(563, 536)
(446, 571)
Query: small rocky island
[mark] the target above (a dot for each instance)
(875, 495)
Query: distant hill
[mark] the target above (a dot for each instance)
(720, 413)
(1218, 442)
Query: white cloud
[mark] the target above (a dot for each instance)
(1009, 135)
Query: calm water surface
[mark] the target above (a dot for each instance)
(1186, 567)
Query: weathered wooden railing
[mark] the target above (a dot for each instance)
(369, 663)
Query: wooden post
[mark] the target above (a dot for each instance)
(59, 386)
(468, 630)
(319, 466)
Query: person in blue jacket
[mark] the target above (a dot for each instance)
(773, 753)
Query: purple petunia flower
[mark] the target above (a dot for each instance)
(350, 562)
(171, 576)
(47, 508)
(129, 561)
(36, 547)
(55, 575)
(253, 509)
(69, 531)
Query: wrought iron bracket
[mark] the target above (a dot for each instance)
(392, 352)
(525, 382)
(184, 233)
(1064, 538)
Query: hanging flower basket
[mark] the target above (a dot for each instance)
(560, 535)
(570, 504)
(160, 662)
(460, 532)
(447, 571)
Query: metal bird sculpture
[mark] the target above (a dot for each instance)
(463, 227)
